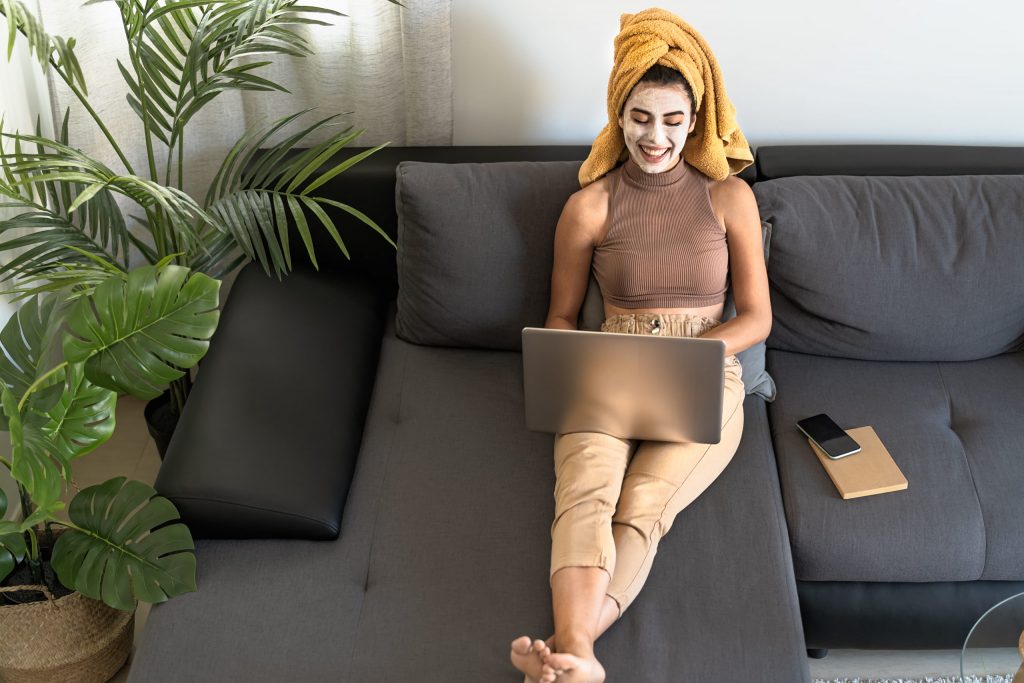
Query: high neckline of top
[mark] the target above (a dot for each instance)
(644, 179)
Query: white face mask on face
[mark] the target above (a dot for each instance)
(655, 128)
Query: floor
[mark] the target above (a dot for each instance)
(131, 452)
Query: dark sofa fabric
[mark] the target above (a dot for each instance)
(269, 437)
(949, 426)
(475, 245)
(443, 558)
(896, 268)
(896, 304)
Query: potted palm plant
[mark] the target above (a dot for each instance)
(66, 354)
(92, 326)
(182, 54)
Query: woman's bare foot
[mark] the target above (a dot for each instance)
(528, 657)
(572, 668)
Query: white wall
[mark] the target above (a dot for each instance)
(798, 71)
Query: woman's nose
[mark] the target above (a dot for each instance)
(659, 135)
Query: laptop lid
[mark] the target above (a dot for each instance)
(630, 386)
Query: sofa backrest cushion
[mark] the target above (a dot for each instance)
(475, 249)
(914, 268)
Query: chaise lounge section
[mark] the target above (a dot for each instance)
(442, 556)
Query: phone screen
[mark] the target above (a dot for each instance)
(829, 436)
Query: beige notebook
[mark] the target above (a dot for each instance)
(870, 471)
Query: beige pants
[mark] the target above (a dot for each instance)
(616, 498)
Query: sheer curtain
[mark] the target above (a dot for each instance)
(389, 66)
(384, 67)
(24, 99)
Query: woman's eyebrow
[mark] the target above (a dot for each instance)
(671, 113)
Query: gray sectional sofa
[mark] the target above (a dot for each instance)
(371, 507)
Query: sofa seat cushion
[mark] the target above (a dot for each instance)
(445, 548)
(954, 429)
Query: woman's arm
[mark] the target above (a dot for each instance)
(575, 237)
(749, 276)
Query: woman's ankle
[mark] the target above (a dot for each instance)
(579, 644)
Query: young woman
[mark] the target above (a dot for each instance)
(661, 237)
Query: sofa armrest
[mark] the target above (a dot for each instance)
(267, 443)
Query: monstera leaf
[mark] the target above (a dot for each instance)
(26, 340)
(43, 443)
(121, 551)
(12, 545)
(31, 465)
(82, 419)
(137, 333)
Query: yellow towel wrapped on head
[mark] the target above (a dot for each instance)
(656, 36)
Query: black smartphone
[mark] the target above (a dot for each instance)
(828, 436)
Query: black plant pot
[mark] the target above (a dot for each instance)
(161, 421)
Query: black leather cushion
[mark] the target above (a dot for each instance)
(900, 616)
(268, 440)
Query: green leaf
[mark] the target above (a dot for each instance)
(86, 195)
(327, 223)
(26, 341)
(302, 227)
(12, 545)
(341, 167)
(33, 469)
(82, 419)
(317, 162)
(19, 19)
(358, 214)
(137, 335)
(125, 550)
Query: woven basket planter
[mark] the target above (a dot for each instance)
(71, 639)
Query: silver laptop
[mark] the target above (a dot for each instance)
(630, 386)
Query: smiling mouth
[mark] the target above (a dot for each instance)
(653, 157)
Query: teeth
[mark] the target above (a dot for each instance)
(653, 154)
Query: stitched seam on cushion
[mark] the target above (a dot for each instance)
(974, 485)
(331, 525)
(665, 507)
(376, 517)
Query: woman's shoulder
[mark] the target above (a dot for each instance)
(587, 207)
(732, 189)
(728, 195)
(592, 199)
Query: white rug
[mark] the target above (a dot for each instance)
(1008, 678)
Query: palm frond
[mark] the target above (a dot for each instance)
(67, 165)
(41, 45)
(258, 193)
(184, 53)
(56, 214)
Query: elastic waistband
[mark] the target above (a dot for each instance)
(667, 324)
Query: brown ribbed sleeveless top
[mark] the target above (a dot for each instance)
(664, 247)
